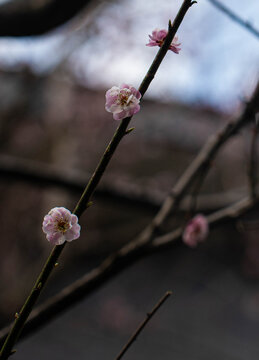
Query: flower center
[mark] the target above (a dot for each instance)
(125, 98)
(159, 42)
(63, 226)
(197, 229)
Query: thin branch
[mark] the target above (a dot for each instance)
(202, 160)
(122, 129)
(231, 212)
(113, 265)
(196, 189)
(139, 246)
(245, 24)
(143, 324)
(41, 175)
(252, 172)
(89, 190)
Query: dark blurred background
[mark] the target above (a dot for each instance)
(53, 125)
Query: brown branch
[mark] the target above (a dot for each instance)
(143, 324)
(202, 160)
(196, 189)
(244, 23)
(40, 174)
(16, 22)
(252, 171)
(141, 244)
(231, 212)
(83, 202)
(111, 266)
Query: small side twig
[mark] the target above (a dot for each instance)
(143, 324)
(245, 24)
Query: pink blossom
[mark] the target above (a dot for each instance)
(122, 101)
(157, 39)
(196, 231)
(60, 225)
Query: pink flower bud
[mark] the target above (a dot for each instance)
(60, 225)
(196, 231)
(157, 39)
(122, 101)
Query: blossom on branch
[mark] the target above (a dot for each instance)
(157, 39)
(196, 231)
(122, 101)
(60, 225)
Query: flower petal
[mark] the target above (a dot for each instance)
(124, 102)
(60, 225)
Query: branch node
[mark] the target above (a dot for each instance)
(90, 203)
(129, 130)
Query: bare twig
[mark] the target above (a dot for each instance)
(202, 160)
(143, 324)
(252, 171)
(196, 189)
(245, 24)
(142, 243)
(114, 264)
(40, 174)
(229, 213)
(82, 204)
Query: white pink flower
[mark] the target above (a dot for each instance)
(196, 231)
(122, 101)
(60, 225)
(157, 39)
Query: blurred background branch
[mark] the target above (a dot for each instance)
(52, 87)
(83, 202)
(253, 161)
(31, 18)
(111, 266)
(150, 238)
(233, 16)
(43, 175)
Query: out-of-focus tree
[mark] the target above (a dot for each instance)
(35, 17)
